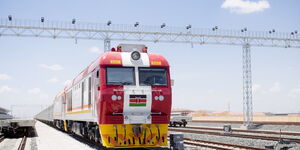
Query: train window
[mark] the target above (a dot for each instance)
(120, 76)
(69, 101)
(90, 90)
(82, 93)
(85, 84)
(153, 76)
(97, 73)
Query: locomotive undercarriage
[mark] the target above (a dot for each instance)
(89, 130)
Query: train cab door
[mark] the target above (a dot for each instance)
(95, 84)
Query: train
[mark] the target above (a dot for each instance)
(121, 100)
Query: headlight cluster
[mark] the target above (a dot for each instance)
(161, 98)
(115, 97)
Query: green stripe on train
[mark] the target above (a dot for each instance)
(137, 105)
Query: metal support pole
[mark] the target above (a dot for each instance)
(106, 45)
(247, 86)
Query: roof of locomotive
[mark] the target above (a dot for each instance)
(113, 58)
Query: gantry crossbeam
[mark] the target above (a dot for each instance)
(121, 32)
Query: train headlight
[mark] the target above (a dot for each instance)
(156, 97)
(114, 97)
(135, 55)
(119, 97)
(161, 98)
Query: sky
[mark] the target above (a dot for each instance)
(207, 77)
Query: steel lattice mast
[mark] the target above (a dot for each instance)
(247, 86)
(119, 32)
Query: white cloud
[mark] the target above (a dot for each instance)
(53, 80)
(55, 67)
(245, 6)
(211, 92)
(4, 89)
(44, 96)
(34, 91)
(256, 87)
(5, 77)
(290, 68)
(95, 50)
(67, 82)
(275, 88)
(294, 92)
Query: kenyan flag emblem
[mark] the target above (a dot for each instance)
(137, 100)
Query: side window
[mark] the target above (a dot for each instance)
(82, 93)
(96, 81)
(89, 90)
(69, 100)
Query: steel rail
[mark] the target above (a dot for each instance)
(218, 144)
(255, 122)
(2, 139)
(248, 131)
(23, 143)
(207, 146)
(270, 138)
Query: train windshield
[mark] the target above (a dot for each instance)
(120, 76)
(153, 76)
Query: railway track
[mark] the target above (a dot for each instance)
(248, 131)
(217, 145)
(270, 138)
(22, 143)
(255, 122)
(2, 139)
(14, 141)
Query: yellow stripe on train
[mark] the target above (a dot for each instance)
(155, 62)
(133, 135)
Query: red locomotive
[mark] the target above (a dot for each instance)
(123, 99)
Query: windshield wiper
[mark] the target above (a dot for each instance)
(126, 83)
(120, 83)
(146, 83)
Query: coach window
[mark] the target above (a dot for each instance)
(82, 93)
(90, 90)
(69, 100)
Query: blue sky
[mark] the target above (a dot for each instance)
(33, 70)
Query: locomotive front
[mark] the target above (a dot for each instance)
(134, 102)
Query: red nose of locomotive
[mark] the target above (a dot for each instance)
(135, 97)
